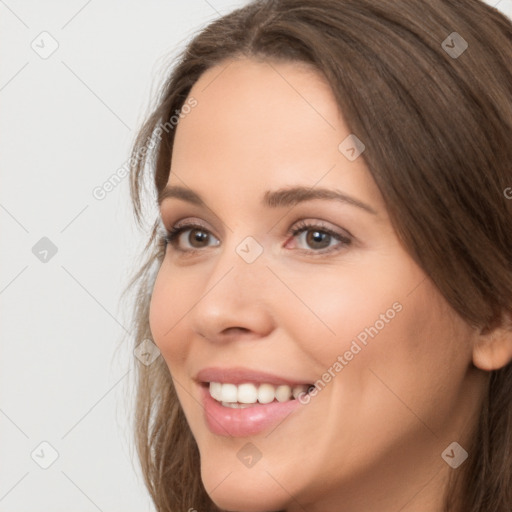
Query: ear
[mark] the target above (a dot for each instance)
(493, 348)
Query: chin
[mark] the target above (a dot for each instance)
(246, 490)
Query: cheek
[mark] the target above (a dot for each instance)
(333, 310)
(408, 374)
(377, 330)
(171, 299)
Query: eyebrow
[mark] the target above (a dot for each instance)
(286, 197)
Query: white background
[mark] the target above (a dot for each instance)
(66, 126)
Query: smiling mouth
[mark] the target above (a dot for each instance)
(240, 396)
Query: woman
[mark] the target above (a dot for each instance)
(333, 296)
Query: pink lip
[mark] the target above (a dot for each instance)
(240, 375)
(227, 421)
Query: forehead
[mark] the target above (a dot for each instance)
(263, 123)
(258, 104)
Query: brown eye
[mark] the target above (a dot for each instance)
(318, 239)
(198, 238)
(190, 237)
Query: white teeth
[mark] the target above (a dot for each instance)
(231, 395)
(247, 394)
(266, 393)
(283, 393)
(215, 390)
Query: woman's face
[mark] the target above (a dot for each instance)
(275, 284)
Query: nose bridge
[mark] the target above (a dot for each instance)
(235, 294)
(241, 270)
(242, 262)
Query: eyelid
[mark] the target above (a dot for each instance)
(186, 222)
(190, 222)
(311, 223)
(175, 216)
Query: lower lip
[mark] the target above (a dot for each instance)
(231, 422)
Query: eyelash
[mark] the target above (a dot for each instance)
(170, 237)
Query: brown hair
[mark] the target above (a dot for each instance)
(437, 129)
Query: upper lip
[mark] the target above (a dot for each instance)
(239, 375)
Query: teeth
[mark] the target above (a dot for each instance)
(283, 393)
(228, 393)
(231, 395)
(297, 390)
(235, 405)
(266, 393)
(215, 390)
(247, 394)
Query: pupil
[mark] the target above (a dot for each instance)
(196, 237)
(318, 239)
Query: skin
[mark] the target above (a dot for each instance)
(372, 439)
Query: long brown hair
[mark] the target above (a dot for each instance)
(436, 119)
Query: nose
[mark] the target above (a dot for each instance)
(236, 300)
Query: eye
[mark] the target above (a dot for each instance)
(309, 237)
(317, 238)
(189, 237)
